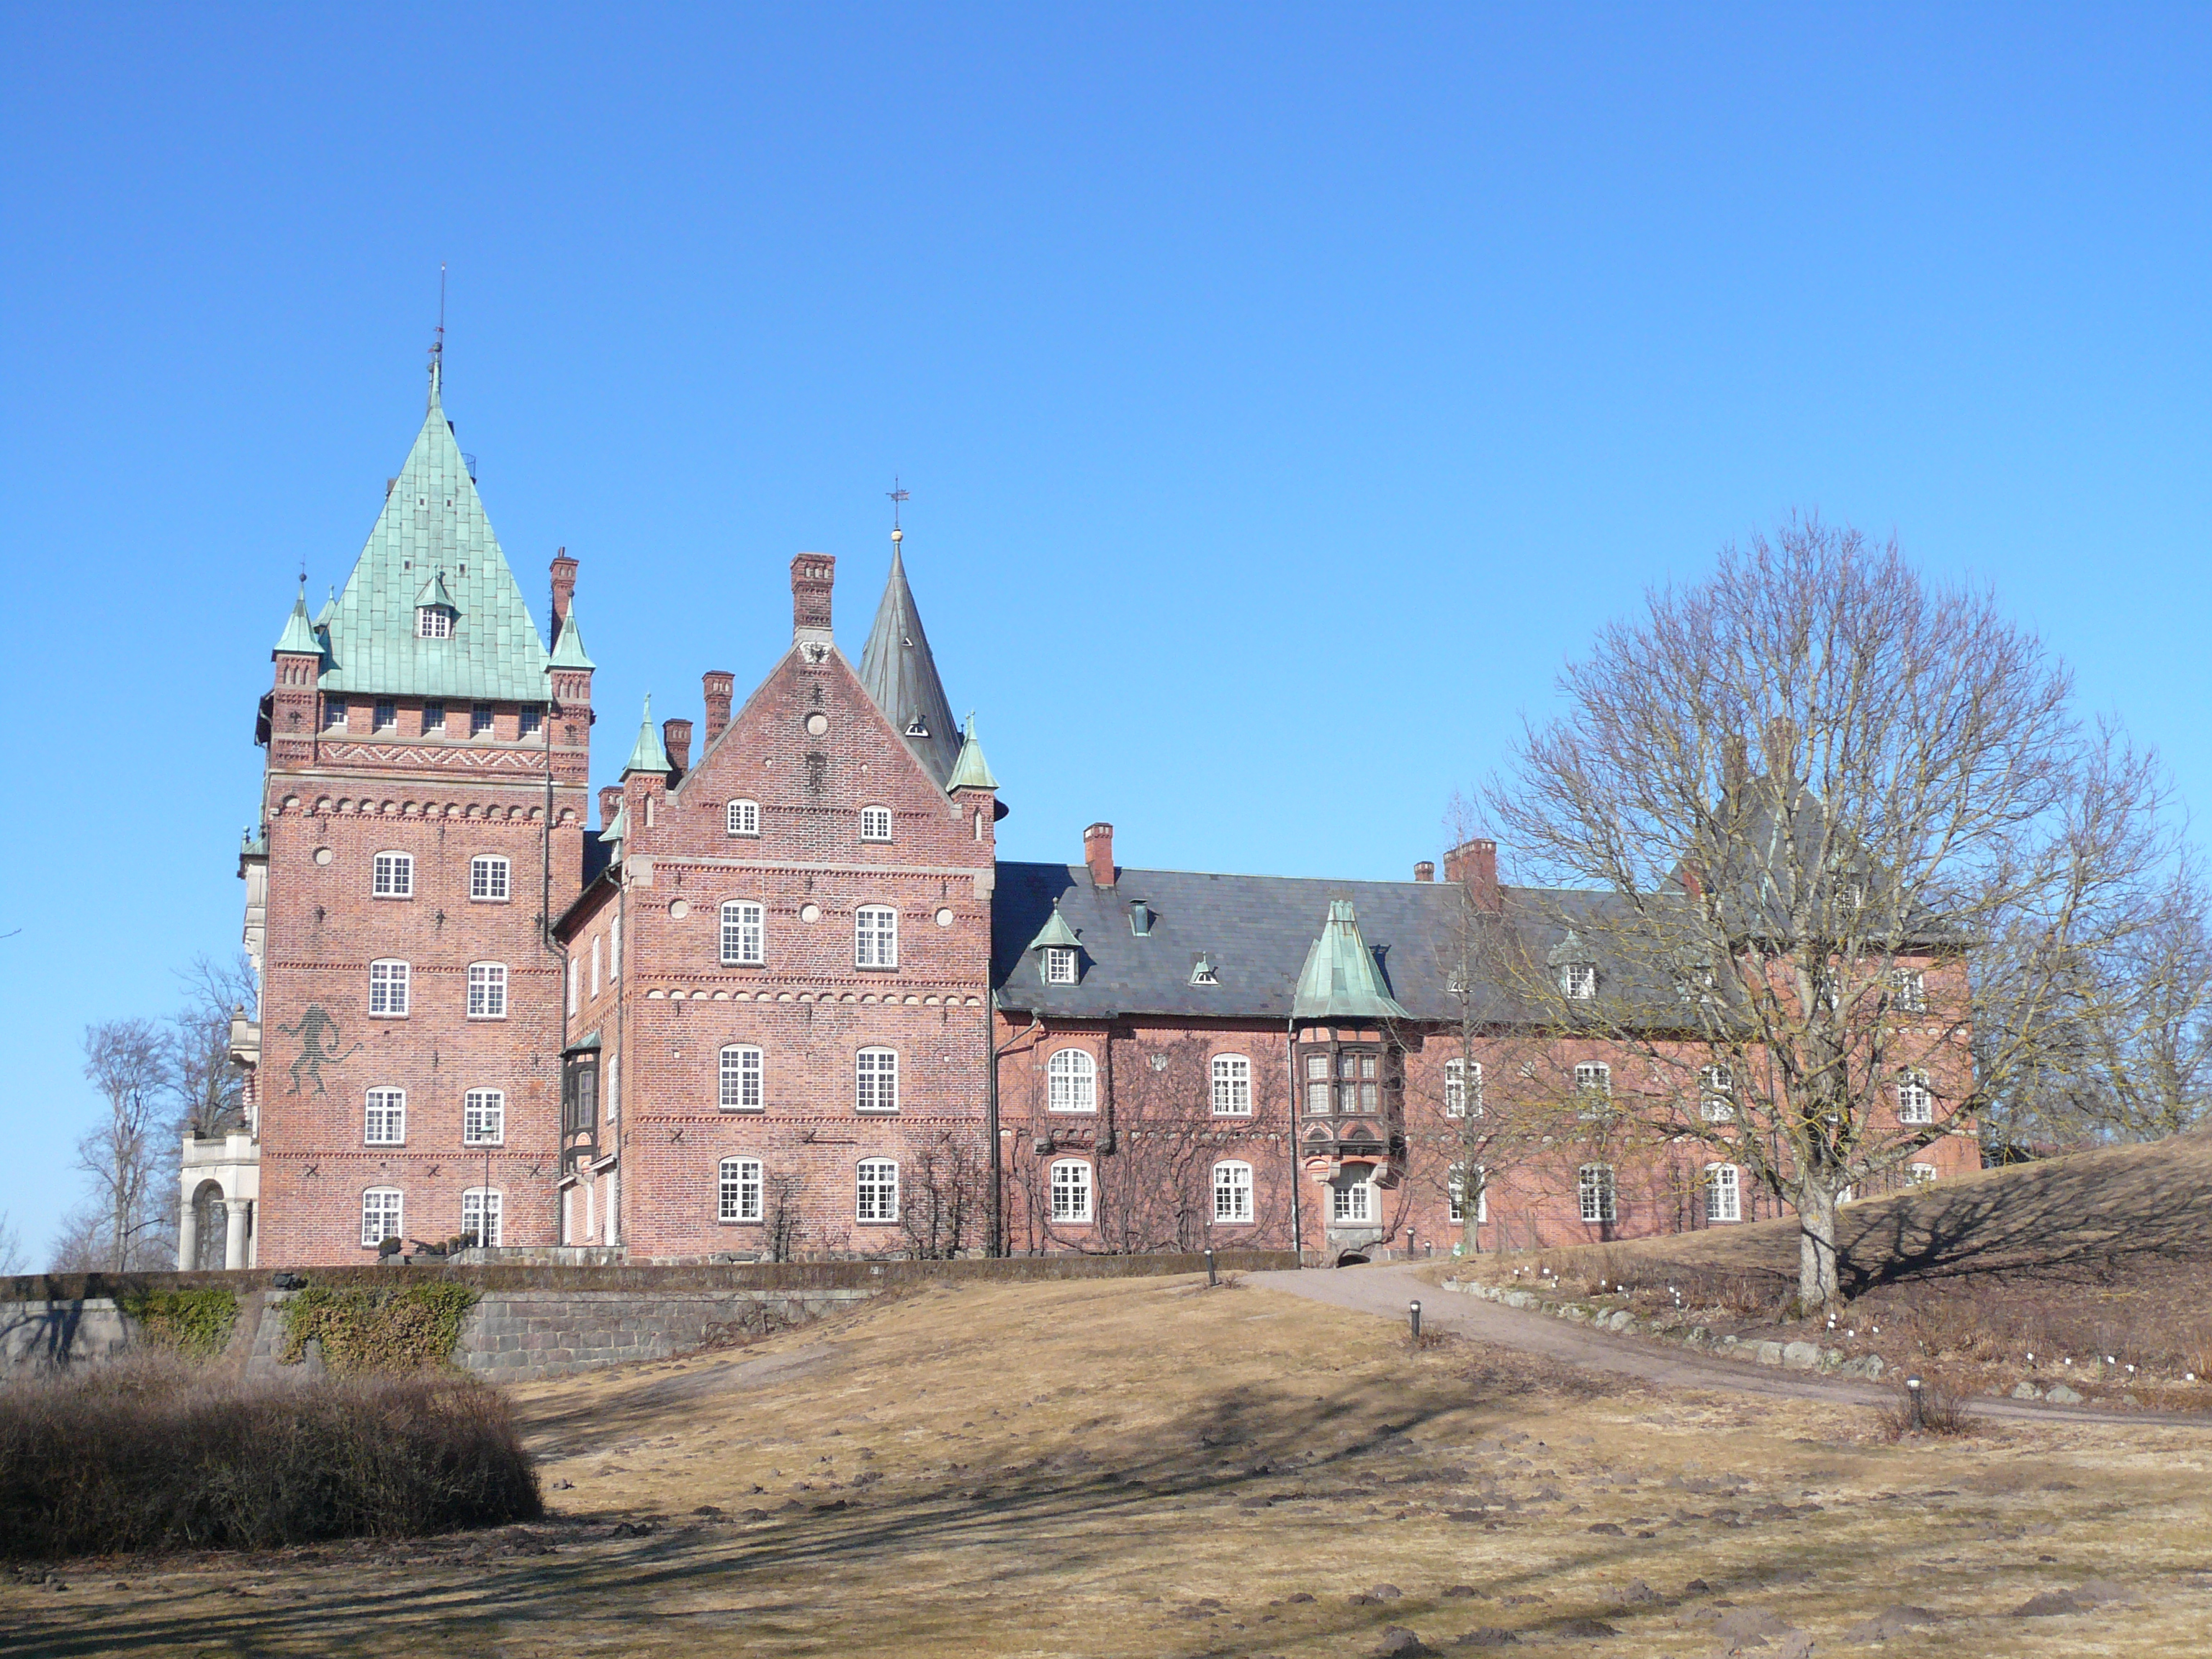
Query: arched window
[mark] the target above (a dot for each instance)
(386, 1121)
(1232, 1086)
(487, 874)
(876, 1190)
(740, 1189)
(391, 875)
(1916, 1101)
(480, 1215)
(1462, 1087)
(875, 937)
(487, 990)
(379, 1216)
(875, 1080)
(744, 1079)
(744, 933)
(1071, 1082)
(1071, 1191)
(1723, 1192)
(875, 823)
(1232, 1191)
(484, 1117)
(1594, 1186)
(744, 817)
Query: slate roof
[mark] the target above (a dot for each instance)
(433, 528)
(899, 673)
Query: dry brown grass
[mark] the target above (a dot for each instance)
(1149, 1469)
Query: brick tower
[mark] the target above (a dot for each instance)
(423, 817)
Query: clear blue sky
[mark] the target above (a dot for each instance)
(1285, 393)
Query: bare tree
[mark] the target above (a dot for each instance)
(209, 1091)
(946, 1201)
(11, 1247)
(784, 1217)
(1788, 948)
(125, 1152)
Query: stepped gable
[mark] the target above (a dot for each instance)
(432, 537)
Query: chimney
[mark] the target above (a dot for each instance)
(564, 588)
(1735, 767)
(717, 686)
(676, 739)
(1782, 747)
(1476, 863)
(811, 576)
(1099, 854)
(1424, 871)
(611, 800)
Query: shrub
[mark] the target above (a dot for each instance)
(1942, 1412)
(152, 1454)
(194, 1322)
(377, 1327)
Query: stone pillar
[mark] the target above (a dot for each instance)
(233, 1241)
(188, 1237)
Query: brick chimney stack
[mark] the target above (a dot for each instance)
(676, 739)
(812, 576)
(611, 800)
(719, 688)
(1424, 871)
(1476, 863)
(1099, 854)
(564, 588)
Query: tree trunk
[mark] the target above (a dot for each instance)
(1819, 1289)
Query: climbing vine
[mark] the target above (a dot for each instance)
(376, 1328)
(195, 1323)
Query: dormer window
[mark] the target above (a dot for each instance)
(1059, 965)
(1578, 982)
(433, 621)
(1140, 919)
(917, 727)
(1203, 973)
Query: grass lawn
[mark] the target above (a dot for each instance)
(1149, 1468)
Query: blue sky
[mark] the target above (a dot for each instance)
(1285, 393)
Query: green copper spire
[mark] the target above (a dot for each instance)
(329, 607)
(648, 755)
(1056, 931)
(971, 770)
(299, 634)
(433, 592)
(1339, 979)
(568, 650)
(432, 530)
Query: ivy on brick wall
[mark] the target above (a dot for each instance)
(195, 1323)
(376, 1328)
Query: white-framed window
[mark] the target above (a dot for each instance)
(480, 720)
(1594, 1076)
(1916, 1101)
(743, 1073)
(379, 1216)
(433, 719)
(1908, 990)
(484, 1117)
(1071, 1082)
(597, 940)
(1352, 1202)
(1717, 1094)
(432, 621)
(741, 1185)
(384, 1122)
(386, 717)
(1921, 1173)
(480, 1214)
(1232, 1191)
(875, 937)
(575, 967)
(488, 878)
(1594, 1185)
(1070, 1190)
(1060, 964)
(614, 950)
(1456, 1185)
(875, 1080)
(876, 1195)
(1202, 972)
(387, 990)
(742, 817)
(1578, 981)
(1462, 1087)
(487, 990)
(1232, 1086)
(528, 722)
(875, 823)
(1723, 1192)
(391, 875)
(744, 932)
(334, 714)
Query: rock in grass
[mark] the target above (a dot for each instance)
(2026, 1391)
(2063, 1395)
(1488, 1635)
(1890, 1622)
(1400, 1642)
(1585, 1627)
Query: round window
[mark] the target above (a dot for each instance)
(817, 724)
(809, 912)
(945, 916)
(679, 909)
(322, 855)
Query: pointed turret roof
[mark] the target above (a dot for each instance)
(646, 755)
(329, 607)
(1056, 931)
(299, 634)
(898, 673)
(433, 592)
(568, 650)
(433, 524)
(971, 771)
(1339, 979)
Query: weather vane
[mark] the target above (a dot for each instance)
(897, 495)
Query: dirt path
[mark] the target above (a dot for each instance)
(1386, 1290)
